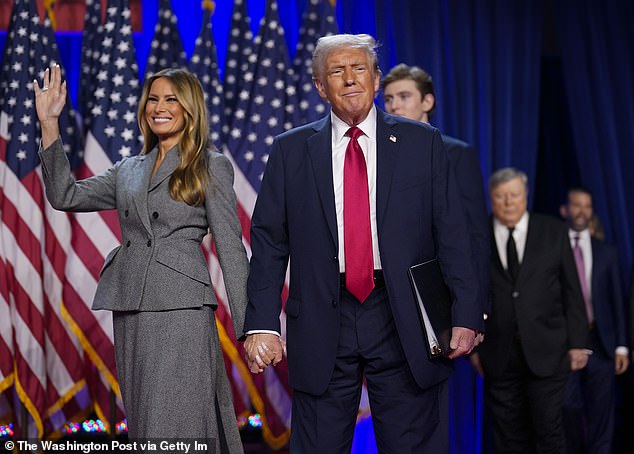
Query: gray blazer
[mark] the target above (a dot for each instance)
(159, 265)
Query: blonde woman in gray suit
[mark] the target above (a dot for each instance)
(168, 355)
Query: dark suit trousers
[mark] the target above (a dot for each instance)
(526, 409)
(406, 419)
(589, 405)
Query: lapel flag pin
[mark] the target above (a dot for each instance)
(393, 139)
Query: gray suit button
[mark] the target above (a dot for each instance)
(149, 243)
(155, 215)
(125, 213)
(515, 294)
(127, 244)
(334, 303)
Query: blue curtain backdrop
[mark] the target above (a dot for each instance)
(565, 118)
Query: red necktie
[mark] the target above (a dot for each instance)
(356, 220)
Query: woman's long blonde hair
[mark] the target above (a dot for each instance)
(191, 176)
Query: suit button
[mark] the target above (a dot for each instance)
(125, 213)
(127, 244)
(515, 294)
(334, 303)
(149, 243)
(335, 258)
(155, 215)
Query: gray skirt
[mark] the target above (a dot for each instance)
(172, 378)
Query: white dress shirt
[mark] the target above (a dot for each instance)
(586, 250)
(340, 141)
(367, 141)
(501, 233)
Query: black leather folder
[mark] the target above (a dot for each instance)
(433, 301)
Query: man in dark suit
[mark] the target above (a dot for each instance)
(593, 388)
(354, 200)
(408, 91)
(537, 329)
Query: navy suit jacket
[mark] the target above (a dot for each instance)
(607, 297)
(419, 216)
(464, 161)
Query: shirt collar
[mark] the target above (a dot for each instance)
(521, 226)
(584, 235)
(340, 127)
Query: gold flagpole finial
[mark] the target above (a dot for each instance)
(210, 5)
(48, 5)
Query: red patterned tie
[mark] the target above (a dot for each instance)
(356, 220)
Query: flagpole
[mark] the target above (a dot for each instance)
(24, 421)
(112, 420)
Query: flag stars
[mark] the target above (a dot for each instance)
(21, 155)
(127, 134)
(129, 117)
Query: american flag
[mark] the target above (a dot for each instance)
(266, 107)
(204, 63)
(239, 49)
(166, 48)
(113, 134)
(318, 20)
(266, 102)
(91, 52)
(40, 357)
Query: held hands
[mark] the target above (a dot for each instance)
(463, 340)
(49, 102)
(262, 350)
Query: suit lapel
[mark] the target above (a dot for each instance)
(596, 260)
(529, 248)
(498, 262)
(166, 169)
(387, 144)
(145, 163)
(320, 153)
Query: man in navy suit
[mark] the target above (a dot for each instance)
(408, 91)
(593, 388)
(352, 201)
